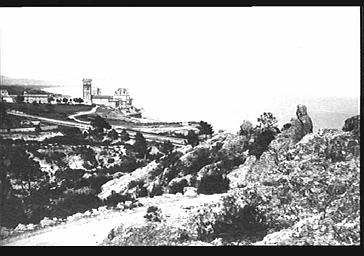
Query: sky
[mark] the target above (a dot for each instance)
(219, 64)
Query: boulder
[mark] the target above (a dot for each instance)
(304, 118)
(21, 227)
(352, 124)
(237, 176)
(190, 192)
(46, 222)
(298, 127)
(121, 185)
(177, 184)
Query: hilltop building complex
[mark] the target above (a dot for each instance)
(120, 100)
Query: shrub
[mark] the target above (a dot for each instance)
(261, 143)
(213, 184)
(192, 138)
(205, 128)
(267, 121)
(113, 135)
(153, 214)
(198, 159)
(140, 147)
(100, 124)
(167, 147)
(116, 198)
(229, 218)
(75, 200)
(246, 128)
(177, 187)
(95, 182)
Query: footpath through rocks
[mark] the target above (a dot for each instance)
(91, 231)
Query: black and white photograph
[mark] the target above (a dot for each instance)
(180, 126)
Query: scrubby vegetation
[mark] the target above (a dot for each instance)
(288, 192)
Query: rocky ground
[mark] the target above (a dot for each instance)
(303, 190)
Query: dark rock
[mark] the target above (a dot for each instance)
(352, 124)
(298, 127)
(304, 118)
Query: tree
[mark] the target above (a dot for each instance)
(246, 128)
(267, 121)
(113, 134)
(167, 147)
(78, 100)
(124, 135)
(140, 146)
(2, 111)
(100, 124)
(265, 132)
(192, 138)
(50, 99)
(38, 129)
(19, 99)
(205, 128)
(26, 178)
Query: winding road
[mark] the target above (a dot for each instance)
(84, 125)
(73, 117)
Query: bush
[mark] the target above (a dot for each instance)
(213, 184)
(192, 138)
(95, 182)
(246, 128)
(198, 159)
(229, 218)
(261, 143)
(177, 187)
(205, 128)
(113, 135)
(167, 147)
(153, 214)
(75, 200)
(116, 198)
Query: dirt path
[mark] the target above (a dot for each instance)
(92, 231)
(73, 117)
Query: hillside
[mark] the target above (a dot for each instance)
(17, 86)
(25, 82)
(295, 188)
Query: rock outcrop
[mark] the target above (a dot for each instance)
(299, 126)
(352, 124)
(121, 185)
(237, 176)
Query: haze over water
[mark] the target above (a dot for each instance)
(221, 65)
(326, 112)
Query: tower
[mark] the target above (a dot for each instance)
(87, 91)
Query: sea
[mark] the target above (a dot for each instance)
(228, 113)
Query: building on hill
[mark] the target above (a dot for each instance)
(87, 91)
(96, 91)
(120, 100)
(39, 98)
(5, 97)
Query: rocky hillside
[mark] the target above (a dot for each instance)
(265, 186)
(303, 190)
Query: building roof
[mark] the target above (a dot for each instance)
(36, 95)
(102, 97)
